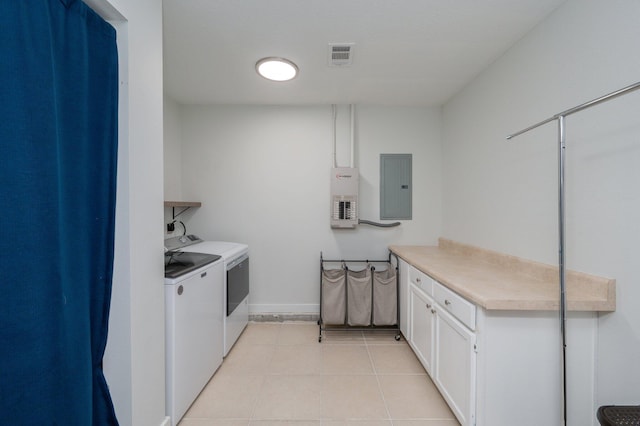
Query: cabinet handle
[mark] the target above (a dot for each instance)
(428, 305)
(433, 311)
(418, 280)
(447, 302)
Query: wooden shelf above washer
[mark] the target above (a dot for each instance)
(186, 205)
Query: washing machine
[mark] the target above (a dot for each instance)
(194, 292)
(236, 280)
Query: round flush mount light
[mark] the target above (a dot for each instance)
(276, 69)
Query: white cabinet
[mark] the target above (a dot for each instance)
(455, 361)
(422, 331)
(499, 367)
(443, 343)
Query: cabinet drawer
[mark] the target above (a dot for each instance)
(459, 307)
(421, 280)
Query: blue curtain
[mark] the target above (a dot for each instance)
(58, 140)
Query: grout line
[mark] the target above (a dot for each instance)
(264, 379)
(375, 372)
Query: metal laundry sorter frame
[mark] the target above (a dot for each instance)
(358, 300)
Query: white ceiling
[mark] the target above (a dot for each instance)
(407, 52)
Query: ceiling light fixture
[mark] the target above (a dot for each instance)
(276, 69)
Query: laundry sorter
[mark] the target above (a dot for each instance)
(359, 295)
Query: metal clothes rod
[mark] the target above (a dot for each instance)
(561, 216)
(585, 105)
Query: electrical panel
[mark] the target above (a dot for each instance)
(344, 197)
(395, 186)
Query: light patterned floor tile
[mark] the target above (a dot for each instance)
(285, 423)
(256, 333)
(356, 423)
(336, 337)
(278, 374)
(352, 397)
(297, 333)
(296, 359)
(227, 397)
(289, 398)
(395, 359)
(212, 422)
(248, 360)
(346, 359)
(384, 337)
(413, 397)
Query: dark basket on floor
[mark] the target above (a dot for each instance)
(619, 415)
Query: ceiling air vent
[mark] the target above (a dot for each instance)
(340, 54)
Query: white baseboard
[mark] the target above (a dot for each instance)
(280, 317)
(309, 308)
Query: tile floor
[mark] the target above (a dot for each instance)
(278, 373)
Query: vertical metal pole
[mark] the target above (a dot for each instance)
(561, 266)
(561, 163)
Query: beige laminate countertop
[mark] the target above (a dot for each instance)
(498, 281)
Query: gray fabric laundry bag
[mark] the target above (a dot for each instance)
(385, 297)
(333, 304)
(359, 297)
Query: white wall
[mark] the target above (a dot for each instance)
(503, 195)
(262, 175)
(134, 358)
(172, 150)
(173, 167)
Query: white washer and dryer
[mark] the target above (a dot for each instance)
(236, 280)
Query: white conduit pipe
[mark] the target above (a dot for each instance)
(352, 107)
(333, 117)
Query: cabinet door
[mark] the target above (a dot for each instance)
(455, 373)
(422, 326)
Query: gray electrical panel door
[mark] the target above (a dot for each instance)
(395, 186)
